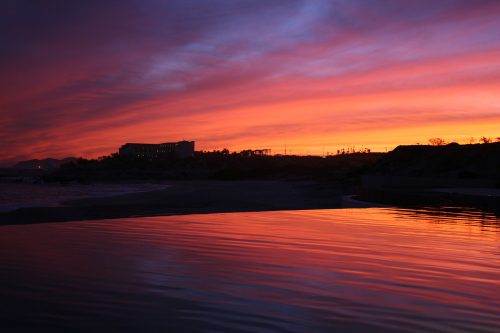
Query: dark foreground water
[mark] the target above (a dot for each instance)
(353, 270)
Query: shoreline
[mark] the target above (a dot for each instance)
(206, 197)
(187, 197)
(29, 195)
(483, 199)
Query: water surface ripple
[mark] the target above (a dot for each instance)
(350, 270)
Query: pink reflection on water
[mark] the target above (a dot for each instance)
(376, 266)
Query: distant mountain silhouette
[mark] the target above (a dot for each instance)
(44, 164)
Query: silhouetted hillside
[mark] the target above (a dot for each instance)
(451, 161)
(44, 164)
(442, 176)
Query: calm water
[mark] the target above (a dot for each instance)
(352, 270)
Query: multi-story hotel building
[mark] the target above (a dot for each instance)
(181, 149)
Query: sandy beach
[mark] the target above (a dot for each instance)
(74, 202)
(23, 195)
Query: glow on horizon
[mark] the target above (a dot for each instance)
(315, 77)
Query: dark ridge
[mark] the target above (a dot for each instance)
(454, 161)
(44, 164)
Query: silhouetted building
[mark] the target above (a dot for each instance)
(255, 152)
(181, 149)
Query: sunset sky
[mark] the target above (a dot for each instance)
(82, 77)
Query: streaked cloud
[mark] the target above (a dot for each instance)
(82, 77)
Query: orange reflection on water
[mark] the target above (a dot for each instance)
(366, 268)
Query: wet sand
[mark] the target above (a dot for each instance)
(21, 195)
(187, 197)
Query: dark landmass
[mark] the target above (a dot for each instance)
(475, 161)
(409, 176)
(416, 176)
(217, 166)
(44, 164)
(206, 183)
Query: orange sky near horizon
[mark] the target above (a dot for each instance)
(314, 76)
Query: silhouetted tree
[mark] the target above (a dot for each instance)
(485, 140)
(437, 142)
